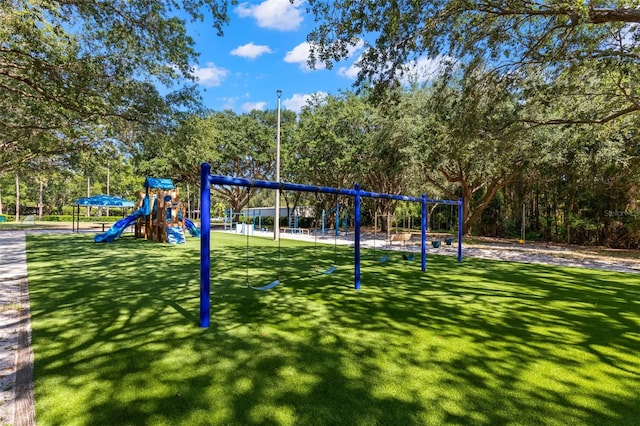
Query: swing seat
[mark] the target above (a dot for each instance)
(330, 270)
(407, 256)
(383, 259)
(266, 287)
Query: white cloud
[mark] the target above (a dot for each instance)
(424, 69)
(211, 75)
(300, 55)
(250, 106)
(350, 72)
(298, 100)
(629, 36)
(250, 50)
(420, 70)
(274, 14)
(352, 50)
(229, 102)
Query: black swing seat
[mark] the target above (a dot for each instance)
(266, 287)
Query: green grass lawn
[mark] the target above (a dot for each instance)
(117, 342)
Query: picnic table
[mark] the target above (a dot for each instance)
(104, 223)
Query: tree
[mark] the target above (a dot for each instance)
(70, 67)
(471, 142)
(344, 139)
(245, 147)
(331, 138)
(518, 38)
(392, 134)
(594, 180)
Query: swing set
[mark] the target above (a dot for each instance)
(273, 283)
(207, 179)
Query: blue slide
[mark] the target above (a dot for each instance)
(117, 228)
(192, 228)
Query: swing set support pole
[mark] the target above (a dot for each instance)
(423, 234)
(356, 213)
(205, 245)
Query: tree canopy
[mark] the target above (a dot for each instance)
(531, 42)
(76, 71)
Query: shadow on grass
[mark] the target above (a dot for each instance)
(482, 342)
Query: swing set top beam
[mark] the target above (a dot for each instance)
(285, 186)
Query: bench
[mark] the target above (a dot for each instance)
(303, 231)
(402, 237)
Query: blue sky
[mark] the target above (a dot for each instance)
(264, 49)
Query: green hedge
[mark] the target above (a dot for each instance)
(63, 218)
(69, 218)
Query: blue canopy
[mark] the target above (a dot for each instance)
(104, 201)
(159, 183)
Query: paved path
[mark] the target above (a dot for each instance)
(16, 356)
(530, 253)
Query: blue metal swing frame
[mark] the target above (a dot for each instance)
(207, 179)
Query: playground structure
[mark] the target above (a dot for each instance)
(159, 215)
(207, 179)
(165, 220)
(341, 220)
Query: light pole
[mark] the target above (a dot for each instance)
(276, 220)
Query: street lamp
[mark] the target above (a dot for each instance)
(276, 220)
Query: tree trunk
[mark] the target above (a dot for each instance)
(468, 221)
(386, 211)
(470, 218)
(198, 207)
(188, 203)
(429, 216)
(555, 217)
(17, 198)
(40, 201)
(88, 195)
(567, 218)
(537, 210)
(108, 179)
